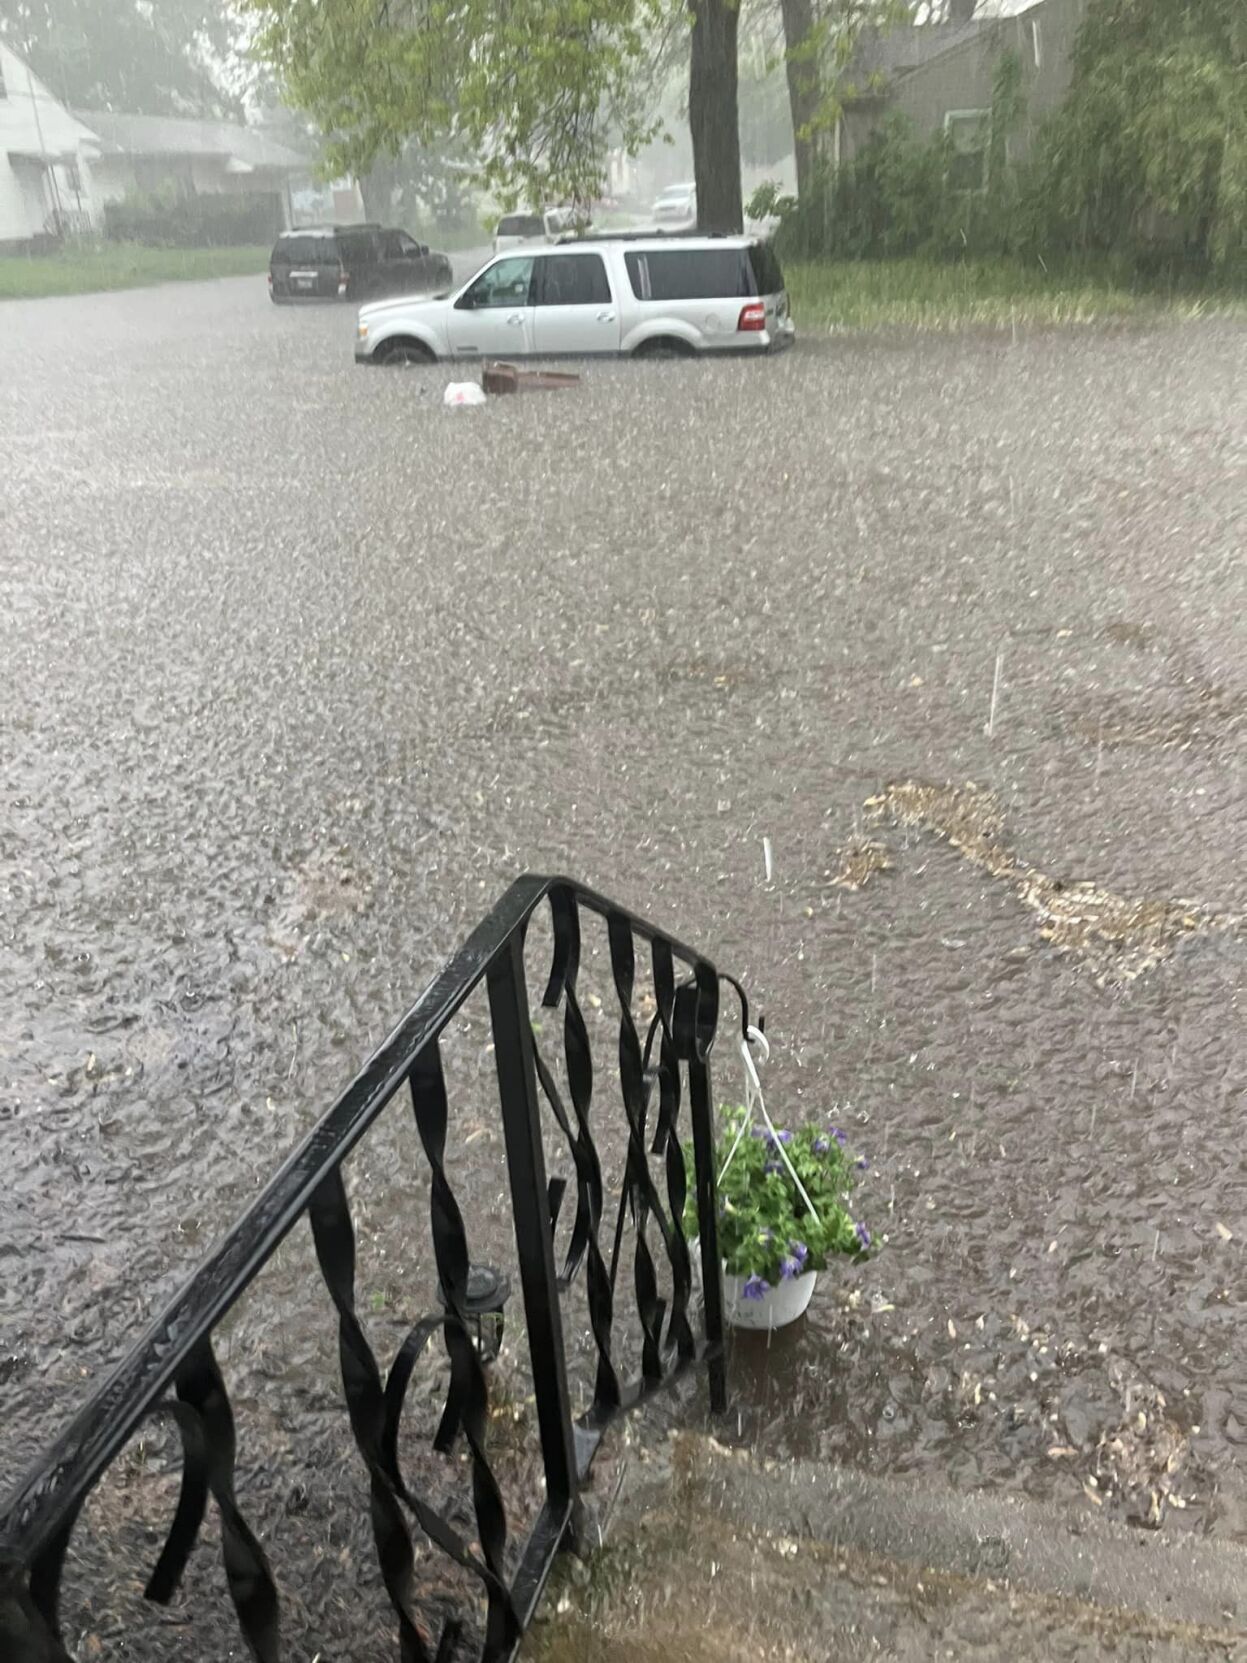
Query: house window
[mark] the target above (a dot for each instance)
(968, 134)
(73, 178)
(1037, 42)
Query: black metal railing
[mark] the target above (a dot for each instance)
(176, 1354)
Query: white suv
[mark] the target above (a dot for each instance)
(645, 295)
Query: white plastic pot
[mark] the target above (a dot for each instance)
(781, 1304)
(777, 1307)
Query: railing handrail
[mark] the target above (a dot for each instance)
(45, 1501)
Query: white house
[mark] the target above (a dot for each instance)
(45, 188)
(144, 153)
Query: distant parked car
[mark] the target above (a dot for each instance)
(647, 295)
(353, 262)
(519, 230)
(514, 230)
(676, 208)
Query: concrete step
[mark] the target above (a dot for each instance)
(711, 1556)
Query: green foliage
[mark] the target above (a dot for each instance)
(166, 219)
(765, 1228)
(118, 266)
(538, 89)
(902, 196)
(768, 199)
(1146, 160)
(828, 54)
(998, 292)
(1149, 153)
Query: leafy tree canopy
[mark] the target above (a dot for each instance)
(1150, 149)
(537, 89)
(148, 57)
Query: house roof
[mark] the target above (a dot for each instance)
(154, 135)
(35, 123)
(897, 51)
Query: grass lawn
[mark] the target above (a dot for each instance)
(869, 294)
(121, 266)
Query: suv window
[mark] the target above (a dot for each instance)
(572, 280)
(507, 283)
(521, 225)
(690, 274)
(359, 245)
(397, 245)
(303, 251)
(766, 269)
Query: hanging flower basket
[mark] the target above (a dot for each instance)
(745, 1305)
(783, 1211)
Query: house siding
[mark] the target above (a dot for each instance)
(963, 78)
(33, 123)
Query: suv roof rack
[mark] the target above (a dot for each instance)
(655, 234)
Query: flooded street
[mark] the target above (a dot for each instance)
(298, 670)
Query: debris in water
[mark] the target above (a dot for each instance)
(1137, 1462)
(1119, 938)
(463, 395)
(858, 864)
(509, 378)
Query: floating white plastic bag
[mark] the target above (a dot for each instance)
(460, 395)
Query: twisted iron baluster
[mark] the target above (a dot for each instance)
(205, 1423)
(667, 1143)
(693, 1029)
(41, 1599)
(469, 1390)
(579, 1061)
(26, 1634)
(639, 1185)
(334, 1236)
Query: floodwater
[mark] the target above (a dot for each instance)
(298, 670)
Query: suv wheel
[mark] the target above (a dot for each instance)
(664, 346)
(405, 353)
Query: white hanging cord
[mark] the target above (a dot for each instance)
(755, 1101)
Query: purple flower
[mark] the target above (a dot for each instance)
(863, 1165)
(841, 1137)
(821, 1146)
(755, 1288)
(788, 1268)
(772, 1166)
(759, 1132)
(863, 1234)
(782, 1137)
(799, 1251)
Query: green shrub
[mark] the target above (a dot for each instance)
(162, 219)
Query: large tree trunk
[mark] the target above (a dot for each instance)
(712, 115)
(804, 89)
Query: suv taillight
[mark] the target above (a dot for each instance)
(752, 319)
